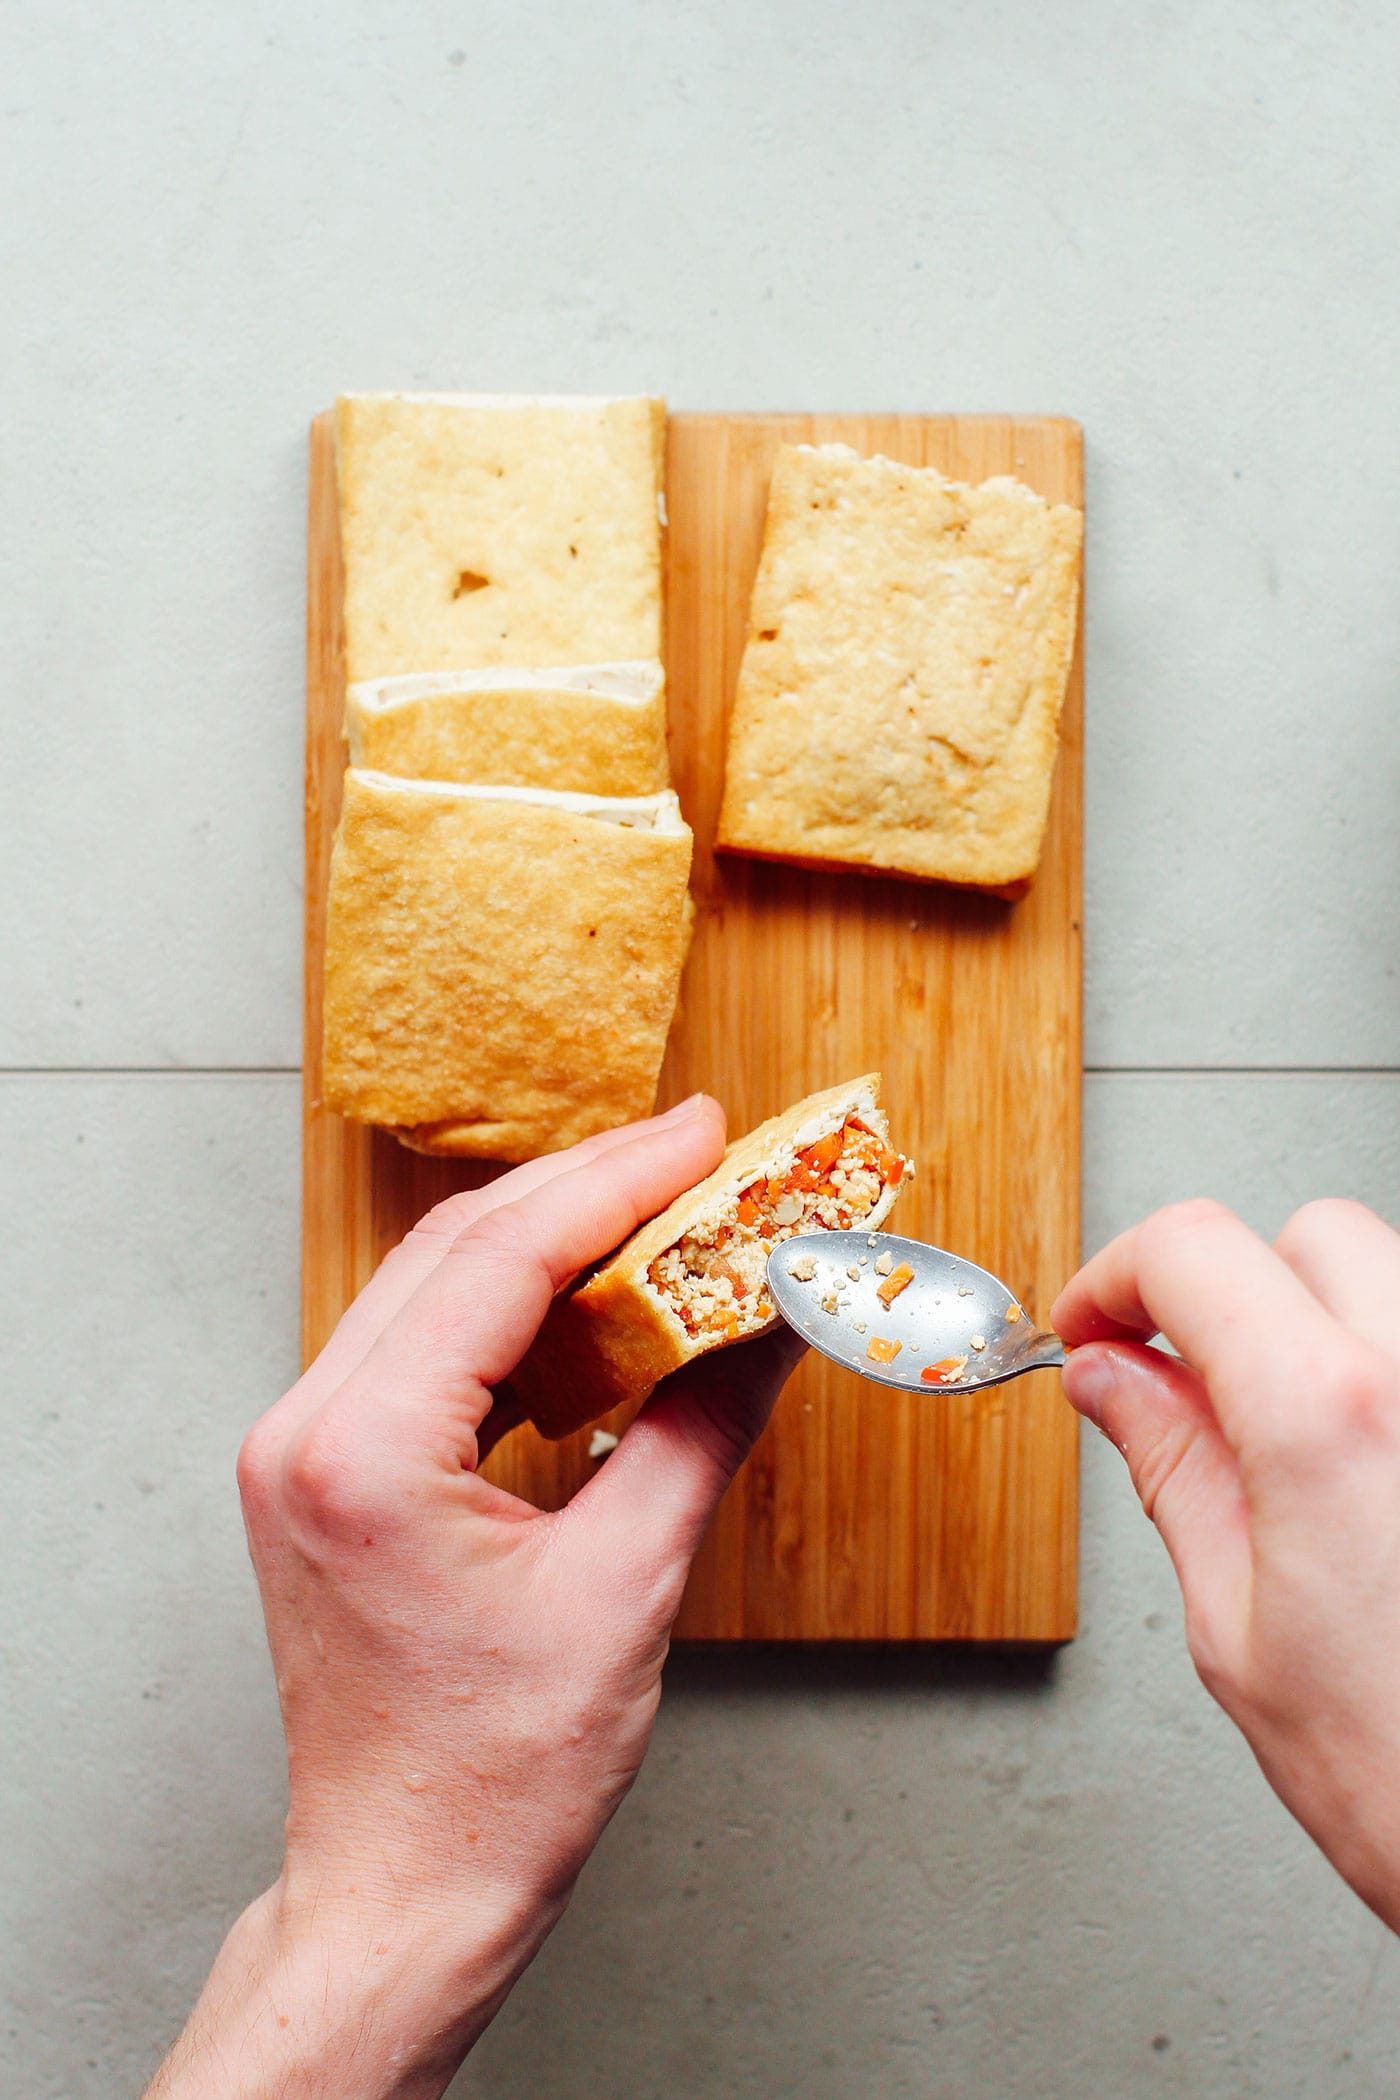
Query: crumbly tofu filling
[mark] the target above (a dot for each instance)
(715, 1277)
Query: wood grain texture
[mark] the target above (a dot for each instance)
(864, 1514)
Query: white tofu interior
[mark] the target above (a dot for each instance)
(633, 684)
(660, 813)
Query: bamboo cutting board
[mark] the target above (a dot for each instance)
(865, 1513)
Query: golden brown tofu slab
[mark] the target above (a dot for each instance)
(498, 529)
(898, 703)
(501, 964)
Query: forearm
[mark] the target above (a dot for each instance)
(361, 2008)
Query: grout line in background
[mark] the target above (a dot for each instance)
(1241, 1071)
(150, 1071)
(1090, 1071)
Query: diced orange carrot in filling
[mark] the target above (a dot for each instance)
(736, 1276)
(882, 1352)
(711, 1277)
(898, 1280)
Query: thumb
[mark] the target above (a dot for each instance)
(425, 1385)
(1157, 1412)
(653, 1500)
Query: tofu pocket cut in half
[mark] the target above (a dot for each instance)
(695, 1278)
(598, 729)
(501, 963)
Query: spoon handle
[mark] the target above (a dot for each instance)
(1043, 1352)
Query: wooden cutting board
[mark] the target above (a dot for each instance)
(864, 1514)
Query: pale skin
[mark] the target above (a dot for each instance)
(1269, 1460)
(468, 1686)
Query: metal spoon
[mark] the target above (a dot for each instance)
(956, 1327)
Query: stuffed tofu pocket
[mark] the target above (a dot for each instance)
(695, 1278)
(502, 963)
(599, 729)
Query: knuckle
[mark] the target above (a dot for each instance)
(1210, 1656)
(648, 1583)
(1175, 1222)
(447, 1219)
(726, 1438)
(1349, 1409)
(727, 1419)
(1157, 1464)
(501, 1228)
(501, 1241)
(438, 1227)
(258, 1457)
(1362, 1390)
(1318, 1221)
(328, 1490)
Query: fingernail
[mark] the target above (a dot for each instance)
(683, 1110)
(1088, 1381)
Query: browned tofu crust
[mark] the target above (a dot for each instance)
(500, 974)
(598, 730)
(899, 699)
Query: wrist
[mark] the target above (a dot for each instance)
(425, 1979)
(318, 1995)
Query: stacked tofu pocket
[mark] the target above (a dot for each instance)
(508, 906)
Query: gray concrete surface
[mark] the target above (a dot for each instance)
(840, 1875)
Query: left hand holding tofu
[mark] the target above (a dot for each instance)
(467, 1684)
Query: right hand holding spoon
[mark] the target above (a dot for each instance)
(1268, 1457)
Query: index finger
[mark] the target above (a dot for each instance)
(405, 1266)
(1197, 1275)
(470, 1321)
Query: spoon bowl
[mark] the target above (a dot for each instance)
(904, 1313)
